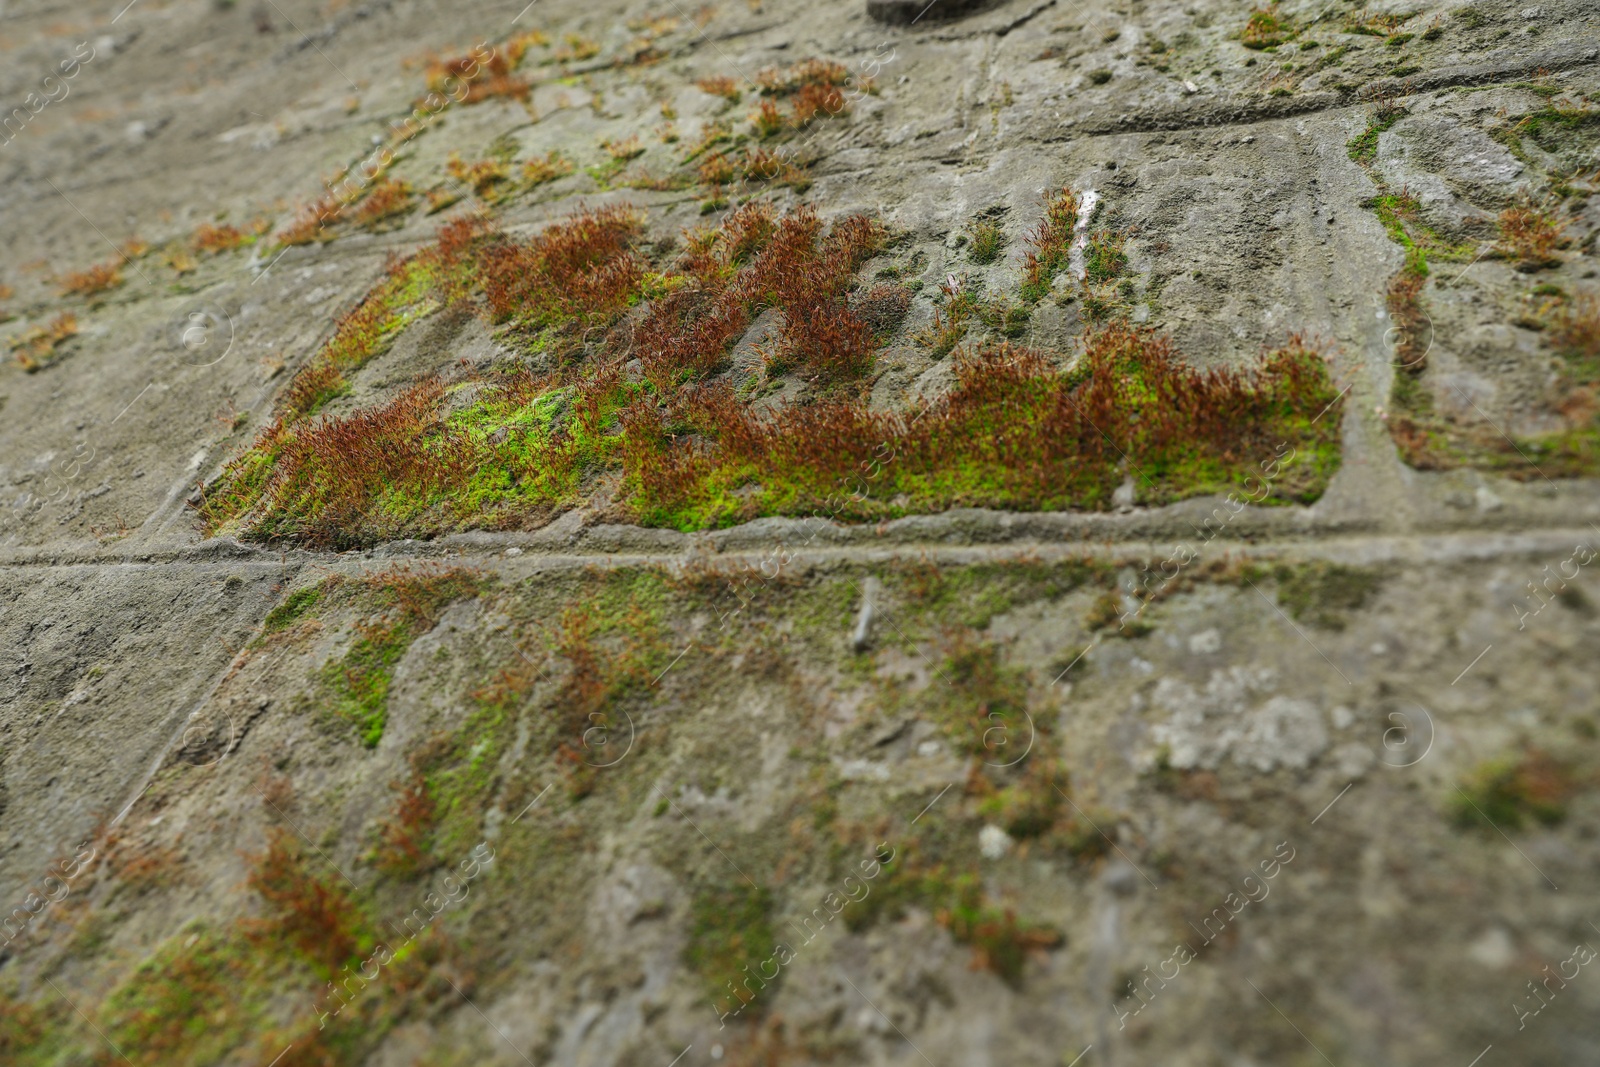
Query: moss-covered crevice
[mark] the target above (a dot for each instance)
(1426, 434)
(670, 440)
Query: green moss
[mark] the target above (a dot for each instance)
(606, 171)
(1031, 805)
(1574, 452)
(404, 296)
(987, 241)
(241, 486)
(1004, 317)
(1567, 131)
(239, 994)
(984, 706)
(897, 888)
(515, 448)
(1426, 439)
(1401, 215)
(1266, 29)
(411, 467)
(359, 681)
(1080, 834)
(407, 293)
(1513, 789)
(972, 596)
(598, 663)
(955, 307)
(34, 1035)
(731, 930)
(633, 600)
(1101, 305)
(1000, 941)
(182, 1004)
(528, 452)
(1363, 147)
(1407, 393)
(292, 610)
(1323, 593)
(463, 772)
(815, 613)
(1108, 611)
(995, 450)
(1104, 257)
(1364, 22)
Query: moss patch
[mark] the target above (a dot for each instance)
(730, 934)
(294, 607)
(181, 1004)
(691, 451)
(1013, 433)
(1001, 942)
(1363, 147)
(1325, 593)
(1513, 789)
(408, 605)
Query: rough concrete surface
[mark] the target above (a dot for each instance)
(1154, 770)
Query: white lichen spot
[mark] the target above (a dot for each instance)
(1080, 235)
(857, 770)
(1493, 948)
(993, 842)
(1229, 719)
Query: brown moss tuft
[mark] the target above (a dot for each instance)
(720, 85)
(754, 263)
(767, 119)
(387, 201)
(808, 73)
(404, 839)
(100, 278)
(1530, 234)
(484, 73)
(883, 308)
(1576, 333)
(576, 48)
(311, 223)
(1266, 28)
(35, 349)
(716, 169)
(548, 169)
(148, 867)
(487, 178)
(580, 271)
(1509, 791)
(818, 100)
(1012, 432)
(313, 915)
(329, 472)
(212, 239)
(1049, 246)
